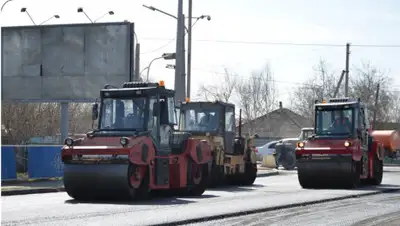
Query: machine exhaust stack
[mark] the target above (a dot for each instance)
(240, 122)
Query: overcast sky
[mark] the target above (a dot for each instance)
(293, 21)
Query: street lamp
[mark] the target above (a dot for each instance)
(54, 16)
(107, 13)
(152, 8)
(4, 4)
(165, 56)
(189, 32)
(80, 10)
(24, 10)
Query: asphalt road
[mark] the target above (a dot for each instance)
(59, 209)
(377, 210)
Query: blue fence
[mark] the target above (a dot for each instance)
(37, 161)
(8, 164)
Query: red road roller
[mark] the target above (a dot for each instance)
(134, 149)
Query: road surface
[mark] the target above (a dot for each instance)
(377, 210)
(59, 209)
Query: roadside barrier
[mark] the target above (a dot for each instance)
(31, 162)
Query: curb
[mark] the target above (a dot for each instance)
(14, 182)
(31, 191)
(268, 209)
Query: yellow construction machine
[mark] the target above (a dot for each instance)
(234, 158)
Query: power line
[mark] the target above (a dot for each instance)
(286, 43)
(161, 47)
(169, 42)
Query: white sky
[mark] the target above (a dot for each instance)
(295, 21)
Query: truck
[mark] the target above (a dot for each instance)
(233, 155)
(342, 152)
(134, 149)
(390, 140)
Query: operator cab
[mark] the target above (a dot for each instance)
(340, 119)
(136, 109)
(214, 118)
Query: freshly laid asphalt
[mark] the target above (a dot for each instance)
(267, 192)
(376, 210)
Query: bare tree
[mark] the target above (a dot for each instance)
(256, 96)
(321, 85)
(364, 85)
(22, 121)
(223, 88)
(394, 113)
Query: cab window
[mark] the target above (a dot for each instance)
(172, 118)
(229, 120)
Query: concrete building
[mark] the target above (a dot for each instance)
(278, 124)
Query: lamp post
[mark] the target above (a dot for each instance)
(80, 10)
(165, 56)
(141, 72)
(54, 16)
(189, 32)
(105, 14)
(4, 4)
(25, 10)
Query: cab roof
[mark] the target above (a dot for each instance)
(136, 91)
(337, 104)
(225, 104)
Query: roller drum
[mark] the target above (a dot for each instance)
(333, 172)
(96, 181)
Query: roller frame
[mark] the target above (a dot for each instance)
(109, 178)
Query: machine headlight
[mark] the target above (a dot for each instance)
(69, 141)
(300, 144)
(124, 141)
(347, 144)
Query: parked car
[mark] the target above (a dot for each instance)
(266, 149)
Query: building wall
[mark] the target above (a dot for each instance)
(279, 123)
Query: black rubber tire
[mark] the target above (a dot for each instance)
(354, 180)
(216, 177)
(250, 174)
(80, 195)
(305, 180)
(142, 192)
(199, 189)
(378, 172)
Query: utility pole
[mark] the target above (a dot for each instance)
(178, 61)
(189, 53)
(346, 88)
(375, 107)
(183, 61)
(339, 83)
